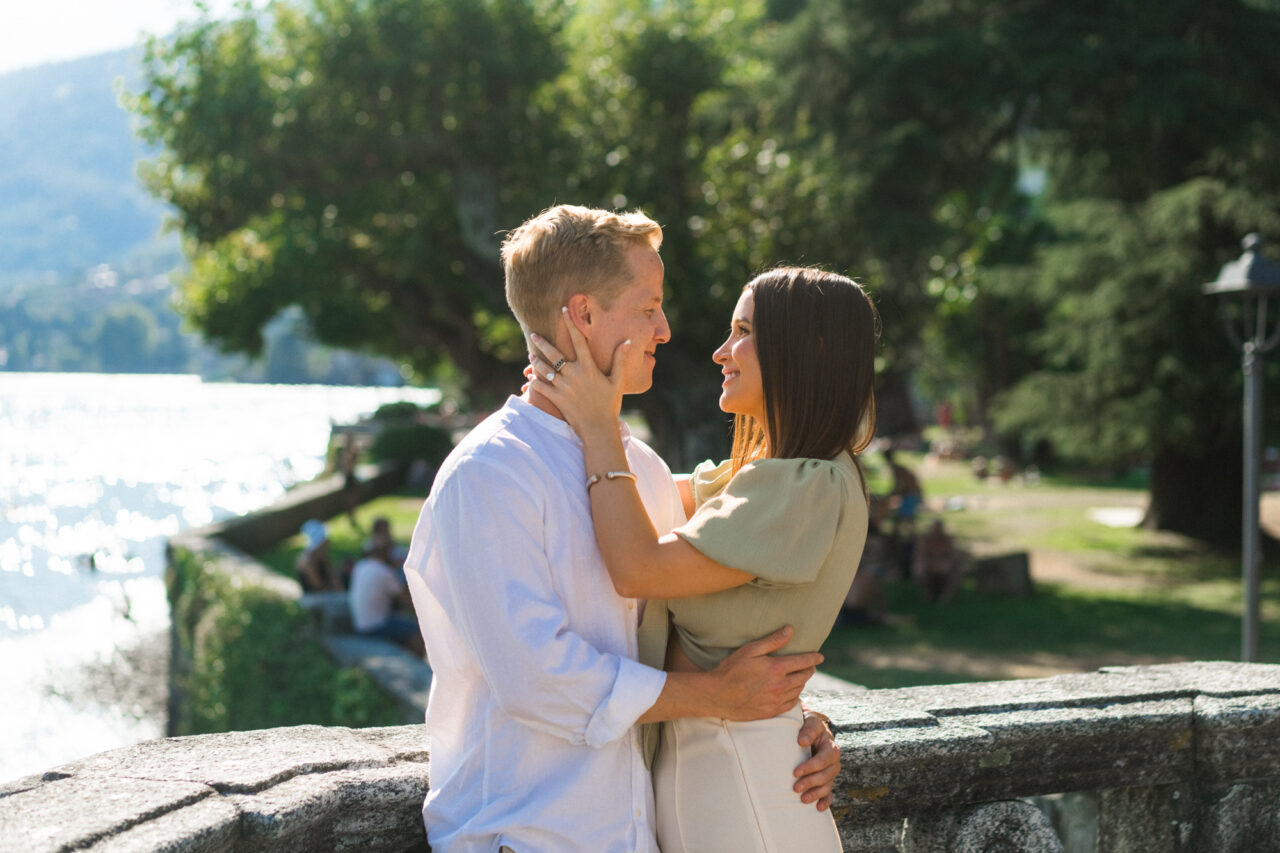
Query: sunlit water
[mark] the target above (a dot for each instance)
(96, 471)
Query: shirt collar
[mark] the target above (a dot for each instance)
(551, 423)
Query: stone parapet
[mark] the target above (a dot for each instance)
(299, 788)
(1173, 758)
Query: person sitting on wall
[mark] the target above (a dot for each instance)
(939, 565)
(315, 566)
(376, 590)
(380, 536)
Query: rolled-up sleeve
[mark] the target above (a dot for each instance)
(494, 582)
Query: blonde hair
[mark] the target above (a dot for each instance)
(569, 249)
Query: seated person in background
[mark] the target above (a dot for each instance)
(315, 567)
(865, 603)
(376, 589)
(938, 566)
(380, 537)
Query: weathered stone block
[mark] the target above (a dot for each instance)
(74, 812)
(1240, 818)
(237, 762)
(211, 825)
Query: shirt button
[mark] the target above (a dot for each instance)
(639, 813)
(631, 605)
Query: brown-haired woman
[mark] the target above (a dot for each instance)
(774, 537)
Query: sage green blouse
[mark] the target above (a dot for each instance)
(797, 525)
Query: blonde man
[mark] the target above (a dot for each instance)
(537, 687)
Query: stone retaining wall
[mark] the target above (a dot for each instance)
(401, 675)
(1178, 758)
(322, 498)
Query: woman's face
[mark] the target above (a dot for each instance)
(742, 392)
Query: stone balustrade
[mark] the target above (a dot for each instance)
(1177, 758)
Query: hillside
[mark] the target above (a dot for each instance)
(69, 198)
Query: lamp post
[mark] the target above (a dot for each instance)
(1256, 280)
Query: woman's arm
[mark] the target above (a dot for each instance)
(640, 564)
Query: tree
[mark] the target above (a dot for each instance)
(356, 159)
(891, 141)
(1159, 159)
(125, 339)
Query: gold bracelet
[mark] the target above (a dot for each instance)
(610, 475)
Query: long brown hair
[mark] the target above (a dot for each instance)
(815, 335)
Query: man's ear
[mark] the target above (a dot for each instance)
(580, 308)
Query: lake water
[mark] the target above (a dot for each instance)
(96, 472)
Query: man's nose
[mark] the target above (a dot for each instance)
(663, 333)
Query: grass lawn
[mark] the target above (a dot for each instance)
(1105, 595)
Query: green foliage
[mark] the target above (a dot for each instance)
(403, 437)
(354, 159)
(402, 411)
(407, 442)
(1133, 358)
(1030, 190)
(252, 660)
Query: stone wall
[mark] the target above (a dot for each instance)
(402, 676)
(321, 498)
(1178, 758)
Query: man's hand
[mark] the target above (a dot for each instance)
(815, 777)
(751, 685)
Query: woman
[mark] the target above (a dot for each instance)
(774, 538)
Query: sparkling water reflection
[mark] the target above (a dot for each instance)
(96, 471)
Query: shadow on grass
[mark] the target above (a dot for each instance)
(1063, 623)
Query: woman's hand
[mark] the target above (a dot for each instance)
(816, 777)
(587, 398)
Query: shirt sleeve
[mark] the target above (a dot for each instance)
(776, 519)
(490, 573)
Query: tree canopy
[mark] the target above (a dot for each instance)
(1032, 190)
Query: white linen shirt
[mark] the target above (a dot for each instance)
(536, 686)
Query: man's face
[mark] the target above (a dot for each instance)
(636, 314)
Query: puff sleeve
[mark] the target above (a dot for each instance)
(709, 479)
(776, 519)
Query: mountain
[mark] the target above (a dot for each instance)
(69, 195)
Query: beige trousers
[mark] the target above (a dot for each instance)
(724, 787)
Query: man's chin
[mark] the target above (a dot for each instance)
(638, 385)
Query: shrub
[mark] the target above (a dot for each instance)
(407, 442)
(250, 659)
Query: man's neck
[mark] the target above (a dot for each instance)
(533, 398)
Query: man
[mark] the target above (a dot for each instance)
(537, 688)
(377, 589)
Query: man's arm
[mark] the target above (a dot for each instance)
(747, 685)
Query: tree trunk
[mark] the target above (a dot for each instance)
(895, 413)
(1198, 495)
